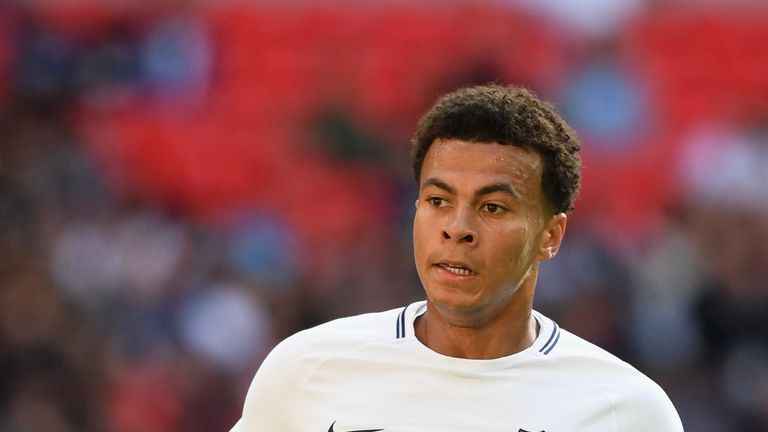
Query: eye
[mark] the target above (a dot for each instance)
(493, 208)
(436, 201)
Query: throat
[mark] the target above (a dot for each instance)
(490, 341)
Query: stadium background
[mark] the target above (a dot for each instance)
(183, 184)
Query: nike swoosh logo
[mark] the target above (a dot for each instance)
(330, 429)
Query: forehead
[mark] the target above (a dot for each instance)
(473, 163)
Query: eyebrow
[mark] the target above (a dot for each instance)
(485, 190)
(433, 181)
(498, 187)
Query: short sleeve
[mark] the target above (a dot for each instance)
(648, 409)
(271, 400)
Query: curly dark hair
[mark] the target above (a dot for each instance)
(507, 115)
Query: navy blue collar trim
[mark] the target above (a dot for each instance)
(552, 341)
(400, 324)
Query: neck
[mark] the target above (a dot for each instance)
(509, 331)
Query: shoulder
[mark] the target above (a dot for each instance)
(637, 402)
(337, 336)
(371, 325)
(291, 360)
(272, 398)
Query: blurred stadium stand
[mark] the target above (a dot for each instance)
(184, 184)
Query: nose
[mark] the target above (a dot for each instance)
(459, 227)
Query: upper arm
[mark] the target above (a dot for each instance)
(271, 400)
(648, 410)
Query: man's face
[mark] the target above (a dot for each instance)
(480, 227)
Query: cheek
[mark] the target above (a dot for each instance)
(512, 248)
(529, 248)
(420, 236)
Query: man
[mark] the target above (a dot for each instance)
(498, 171)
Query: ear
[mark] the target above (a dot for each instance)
(554, 231)
(416, 204)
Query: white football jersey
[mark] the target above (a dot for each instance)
(370, 373)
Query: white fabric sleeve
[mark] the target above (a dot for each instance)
(271, 400)
(648, 410)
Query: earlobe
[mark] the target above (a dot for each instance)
(551, 252)
(416, 203)
(548, 252)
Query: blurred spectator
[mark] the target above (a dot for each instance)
(177, 58)
(724, 166)
(109, 73)
(52, 370)
(226, 326)
(595, 18)
(262, 248)
(607, 102)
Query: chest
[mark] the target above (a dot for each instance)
(369, 394)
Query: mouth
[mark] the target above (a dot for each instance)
(459, 269)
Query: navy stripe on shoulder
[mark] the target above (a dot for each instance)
(552, 341)
(400, 324)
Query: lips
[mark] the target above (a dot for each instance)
(457, 268)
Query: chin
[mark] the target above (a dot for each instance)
(468, 309)
(455, 306)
